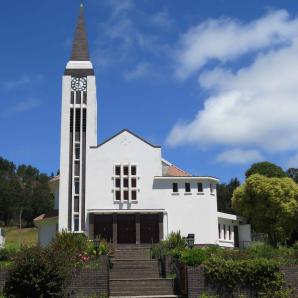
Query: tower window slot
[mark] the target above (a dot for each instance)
(76, 204)
(72, 97)
(84, 119)
(77, 168)
(71, 120)
(77, 187)
(78, 120)
(77, 151)
(76, 223)
(84, 97)
(78, 97)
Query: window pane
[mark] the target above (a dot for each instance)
(85, 97)
(133, 195)
(125, 195)
(133, 170)
(72, 97)
(78, 97)
(219, 231)
(200, 187)
(187, 187)
(133, 182)
(117, 182)
(77, 152)
(224, 226)
(77, 168)
(125, 182)
(77, 187)
(76, 204)
(125, 170)
(76, 223)
(118, 170)
(118, 195)
(211, 188)
(175, 187)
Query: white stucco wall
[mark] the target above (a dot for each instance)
(191, 213)
(2, 237)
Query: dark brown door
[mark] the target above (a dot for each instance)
(103, 226)
(149, 228)
(126, 228)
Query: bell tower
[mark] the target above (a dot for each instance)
(78, 130)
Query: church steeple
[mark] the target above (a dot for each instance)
(80, 50)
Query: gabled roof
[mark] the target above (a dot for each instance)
(174, 171)
(130, 132)
(80, 50)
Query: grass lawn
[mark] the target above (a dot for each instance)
(16, 237)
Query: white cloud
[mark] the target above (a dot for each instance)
(162, 20)
(226, 39)
(26, 105)
(254, 106)
(239, 156)
(23, 80)
(141, 70)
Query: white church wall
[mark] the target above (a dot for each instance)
(195, 213)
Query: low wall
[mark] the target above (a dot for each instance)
(197, 284)
(86, 282)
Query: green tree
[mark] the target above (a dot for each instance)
(267, 169)
(269, 204)
(224, 195)
(293, 173)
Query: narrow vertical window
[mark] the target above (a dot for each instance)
(125, 170)
(200, 187)
(219, 232)
(78, 97)
(77, 168)
(133, 170)
(125, 182)
(230, 233)
(76, 204)
(187, 187)
(133, 182)
(77, 151)
(224, 226)
(72, 97)
(71, 120)
(125, 195)
(175, 187)
(77, 187)
(118, 195)
(84, 119)
(84, 97)
(133, 195)
(76, 223)
(117, 170)
(117, 182)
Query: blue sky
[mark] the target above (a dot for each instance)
(214, 82)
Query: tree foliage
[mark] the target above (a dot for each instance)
(269, 204)
(267, 169)
(224, 195)
(24, 193)
(293, 173)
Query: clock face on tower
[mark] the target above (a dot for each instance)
(79, 84)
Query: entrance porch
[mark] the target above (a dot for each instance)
(127, 228)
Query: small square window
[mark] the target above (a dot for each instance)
(117, 182)
(133, 195)
(125, 170)
(200, 187)
(133, 182)
(175, 187)
(187, 187)
(133, 170)
(125, 182)
(118, 170)
(118, 195)
(125, 195)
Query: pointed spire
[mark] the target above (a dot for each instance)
(80, 51)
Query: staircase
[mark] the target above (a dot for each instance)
(133, 273)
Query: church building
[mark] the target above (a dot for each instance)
(123, 189)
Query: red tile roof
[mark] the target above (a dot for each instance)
(176, 172)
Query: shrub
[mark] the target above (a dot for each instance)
(193, 257)
(260, 275)
(38, 272)
(176, 241)
(6, 254)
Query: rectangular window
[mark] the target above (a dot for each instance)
(117, 170)
(117, 182)
(76, 223)
(133, 195)
(72, 97)
(77, 168)
(211, 188)
(77, 187)
(84, 97)
(118, 195)
(77, 151)
(133, 182)
(125, 170)
(84, 119)
(133, 170)
(125, 182)
(224, 228)
(78, 120)
(200, 187)
(230, 234)
(71, 121)
(76, 204)
(78, 97)
(125, 195)
(219, 232)
(175, 187)
(187, 187)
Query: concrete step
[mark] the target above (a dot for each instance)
(132, 253)
(144, 287)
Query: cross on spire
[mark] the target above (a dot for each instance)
(80, 51)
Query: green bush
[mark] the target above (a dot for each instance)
(6, 254)
(193, 257)
(38, 272)
(260, 275)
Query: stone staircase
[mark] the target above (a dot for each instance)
(134, 273)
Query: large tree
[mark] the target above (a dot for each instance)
(267, 169)
(224, 195)
(269, 204)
